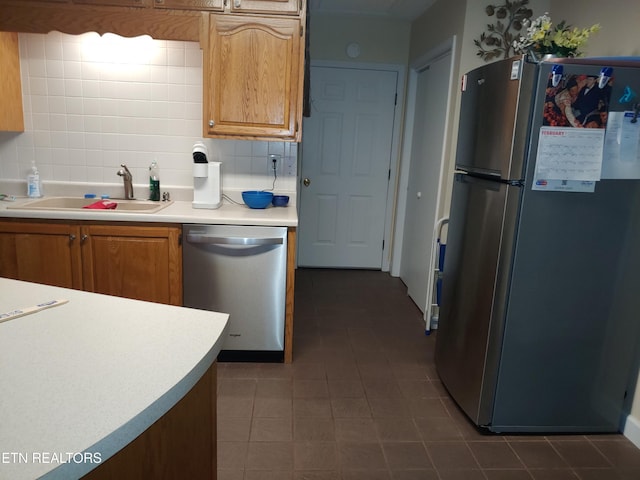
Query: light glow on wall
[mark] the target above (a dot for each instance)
(114, 49)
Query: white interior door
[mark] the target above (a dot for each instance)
(432, 90)
(346, 152)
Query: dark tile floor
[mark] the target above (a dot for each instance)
(362, 401)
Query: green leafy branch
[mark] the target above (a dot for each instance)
(498, 40)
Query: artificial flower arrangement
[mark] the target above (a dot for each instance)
(542, 38)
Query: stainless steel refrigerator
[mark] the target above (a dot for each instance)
(540, 303)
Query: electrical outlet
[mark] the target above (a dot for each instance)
(273, 163)
(291, 166)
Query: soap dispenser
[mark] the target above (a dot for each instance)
(34, 187)
(207, 190)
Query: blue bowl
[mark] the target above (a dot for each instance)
(280, 200)
(257, 199)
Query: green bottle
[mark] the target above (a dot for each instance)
(154, 182)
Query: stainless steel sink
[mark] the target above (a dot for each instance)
(77, 203)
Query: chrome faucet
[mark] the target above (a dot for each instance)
(127, 178)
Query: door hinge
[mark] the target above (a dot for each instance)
(389, 175)
(180, 239)
(395, 100)
(382, 244)
(301, 31)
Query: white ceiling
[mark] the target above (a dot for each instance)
(401, 9)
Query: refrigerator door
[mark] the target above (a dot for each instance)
(494, 114)
(572, 323)
(477, 266)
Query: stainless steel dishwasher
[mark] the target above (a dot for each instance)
(242, 271)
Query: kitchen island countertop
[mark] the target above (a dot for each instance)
(83, 379)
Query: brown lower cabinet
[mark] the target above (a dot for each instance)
(143, 262)
(179, 445)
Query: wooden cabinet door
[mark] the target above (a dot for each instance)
(253, 77)
(11, 116)
(41, 252)
(266, 6)
(140, 262)
(214, 5)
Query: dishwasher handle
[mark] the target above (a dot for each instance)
(216, 240)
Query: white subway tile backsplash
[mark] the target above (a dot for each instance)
(55, 87)
(55, 69)
(59, 140)
(175, 56)
(57, 124)
(176, 75)
(80, 70)
(38, 86)
(92, 142)
(92, 103)
(37, 67)
(92, 106)
(192, 111)
(73, 87)
(193, 94)
(53, 49)
(85, 70)
(76, 140)
(41, 121)
(71, 52)
(57, 105)
(176, 92)
(35, 46)
(40, 138)
(243, 149)
(109, 124)
(159, 74)
(193, 56)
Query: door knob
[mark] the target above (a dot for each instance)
(306, 182)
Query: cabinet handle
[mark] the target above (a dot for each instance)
(211, 123)
(236, 3)
(72, 237)
(84, 237)
(160, 1)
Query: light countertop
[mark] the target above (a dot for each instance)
(177, 212)
(89, 376)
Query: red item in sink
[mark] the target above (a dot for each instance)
(102, 205)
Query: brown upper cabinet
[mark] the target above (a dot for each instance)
(253, 52)
(11, 116)
(253, 76)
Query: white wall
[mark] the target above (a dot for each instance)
(619, 20)
(381, 40)
(90, 106)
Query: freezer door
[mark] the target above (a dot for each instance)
(494, 118)
(477, 267)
